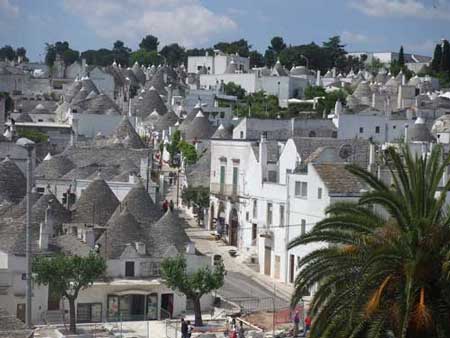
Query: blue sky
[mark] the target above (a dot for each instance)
(374, 25)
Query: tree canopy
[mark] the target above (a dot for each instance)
(193, 285)
(68, 275)
(149, 43)
(382, 269)
(9, 53)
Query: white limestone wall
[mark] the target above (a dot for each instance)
(245, 80)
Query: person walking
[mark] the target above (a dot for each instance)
(189, 330)
(307, 325)
(165, 206)
(171, 205)
(296, 320)
(184, 329)
(241, 330)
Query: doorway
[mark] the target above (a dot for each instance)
(291, 268)
(166, 305)
(234, 227)
(20, 314)
(267, 260)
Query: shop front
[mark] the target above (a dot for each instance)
(132, 306)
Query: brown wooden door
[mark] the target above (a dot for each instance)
(21, 312)
(267, 260)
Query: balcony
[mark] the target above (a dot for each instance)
(229, 190)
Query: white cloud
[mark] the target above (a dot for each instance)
(187, 22)
(425, 47)
(351, 37)
(6, 7)
(403, 8)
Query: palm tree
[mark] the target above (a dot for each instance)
(384, 270)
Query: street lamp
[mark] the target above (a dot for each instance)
(29, 146)
(306, 59)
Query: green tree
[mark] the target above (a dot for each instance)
(277, 44)
(150, 43)
(144, 57)
(445, 61)
(188, 152)
(401, 57)
(437, 59)
(385, 269)
(7, 53)
(256, 59)
(22, 52)
(121, 53)
(173, 150)
(234, 89)
(335, 52)
(61, 48)
(270, 58)
(174, 54)
(241, 47)
(68, 275)
(374, 66)
(193, 285)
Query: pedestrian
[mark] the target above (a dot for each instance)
(171, 205)
(241, 330)
(307, 325)
(165, 206)
(296, 323)
(189, 330)
(233, 333)
(184, 329)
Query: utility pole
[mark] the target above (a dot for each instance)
(178, 186)
(29, 291)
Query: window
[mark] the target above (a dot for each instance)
(319, 193)
(241, 134)
(301, 189)
(269, 213)
(361, 130)
(394, 127)
(89, 313)
(303, 227)
(235, 179)
(222, 115)
(247, 216)
(40, 190)
(129, 269)
(222, 178)
(155, 269)
(254, 231)
(272, 176)
(281, 215)
(377, 130)
(255, 208)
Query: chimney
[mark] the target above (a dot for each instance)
(406, 133)
(43, 237)
(373, 100)
(140, 248)
(83, 67)
(89, 237)
(2, 114)
(333, 72)
(169, 96)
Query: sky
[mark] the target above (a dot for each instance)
(364, 25)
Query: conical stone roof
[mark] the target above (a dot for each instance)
(123, 230)
(167, 232)
(166, 121)
(24, 117)
(140, 75)
(199, 128)
(13, 184)
(96, 204)
(55, 167)
(126, 134)
(57, 211)
(140, 205)
(222, 133)
(149, 101)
